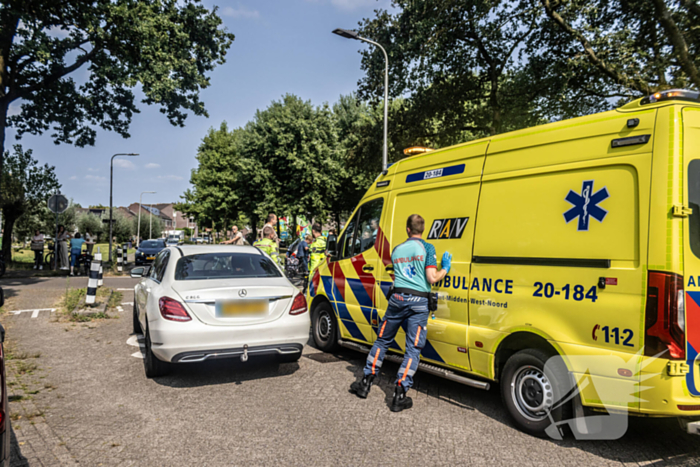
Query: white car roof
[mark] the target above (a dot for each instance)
(202, 249)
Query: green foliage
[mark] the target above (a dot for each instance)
(121, 228)
(26, 186)
(90, 222)
(131, 226)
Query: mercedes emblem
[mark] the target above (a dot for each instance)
(242, 293)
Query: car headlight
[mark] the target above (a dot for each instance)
(141, 253)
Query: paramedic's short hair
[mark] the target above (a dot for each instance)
(271, 217)
(268, 231)
(317, 228)
(416, 224)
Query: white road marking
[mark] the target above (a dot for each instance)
(128, 303)
(35, 312)
(120, 308)
(127, 289)
(137, 355)
(136, 340)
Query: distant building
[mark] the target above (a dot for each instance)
(172, 219)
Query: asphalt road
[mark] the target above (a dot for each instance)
(94, 406)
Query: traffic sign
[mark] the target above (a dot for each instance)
(58, 203)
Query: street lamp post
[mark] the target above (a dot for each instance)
(138, 226)
(150, 221)
(111, 176)
(354, 35)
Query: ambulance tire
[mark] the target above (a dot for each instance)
(532, 392)
(325, 327)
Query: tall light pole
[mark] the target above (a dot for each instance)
(138, 227)
(111, 176)
(150, 221)
(354, 35)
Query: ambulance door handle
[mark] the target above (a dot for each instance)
(367, 268)
(390, 269)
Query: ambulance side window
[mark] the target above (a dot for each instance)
(345, 241)
(370, 213)
(694, 204)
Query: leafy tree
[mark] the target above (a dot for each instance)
(635, 46)
(166, 47)
(26, 186)
(90, 222)
(293, 146)
(463, 64)
(149, 223)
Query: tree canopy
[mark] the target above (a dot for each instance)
(26, 186)
(165, 47)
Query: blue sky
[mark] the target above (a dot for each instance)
(281, 46)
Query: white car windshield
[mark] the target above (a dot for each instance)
(224, 266)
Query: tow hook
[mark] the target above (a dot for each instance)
(244, 357)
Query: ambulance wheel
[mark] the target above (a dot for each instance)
(532, 393)
(325, 327)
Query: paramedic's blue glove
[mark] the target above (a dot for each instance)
(446, 262)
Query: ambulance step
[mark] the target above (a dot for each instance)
(432, 369)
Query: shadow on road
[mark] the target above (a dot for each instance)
(16, 457)
(225, 371)
(644, 435)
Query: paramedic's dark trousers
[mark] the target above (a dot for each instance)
(413, 311)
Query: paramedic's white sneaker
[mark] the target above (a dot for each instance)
(41, 266)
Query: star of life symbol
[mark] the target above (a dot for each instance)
(409, 271)
(586, 205)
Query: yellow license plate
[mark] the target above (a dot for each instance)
(150, 257)
(241, 308)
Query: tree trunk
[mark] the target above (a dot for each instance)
(3, 124)
(9, 223)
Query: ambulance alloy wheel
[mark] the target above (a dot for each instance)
(532, 393)
(325, 327)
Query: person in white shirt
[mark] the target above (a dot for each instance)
(38, 249)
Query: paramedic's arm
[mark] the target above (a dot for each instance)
(433, 275)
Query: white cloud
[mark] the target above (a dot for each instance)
(95, 178)
(73, 177)
(152, 165)
(91, 169)
(348, 5)
(170, 177)
(240, 12)
(124, 164)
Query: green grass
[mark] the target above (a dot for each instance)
(72, 298)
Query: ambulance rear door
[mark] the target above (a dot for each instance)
(691, 234)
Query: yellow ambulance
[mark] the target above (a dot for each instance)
(578, 239)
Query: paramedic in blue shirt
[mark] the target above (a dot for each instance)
(415, 270)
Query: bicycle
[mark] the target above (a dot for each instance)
(48, 259)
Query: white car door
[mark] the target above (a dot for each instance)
(148, 295)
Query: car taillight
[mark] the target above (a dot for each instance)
(172, 310)
(665, 316)
(298, 305)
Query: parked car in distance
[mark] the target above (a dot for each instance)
(148, 249)
(204, 302)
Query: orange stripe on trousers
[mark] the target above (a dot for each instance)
(375, 360)
(381, 331)
(415, 343)
(405, 370)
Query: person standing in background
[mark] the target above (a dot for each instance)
(89, 243)
(38, 249)
(62, 247)
(76, 247)
(317, 248)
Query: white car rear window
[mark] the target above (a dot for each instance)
(224, 266)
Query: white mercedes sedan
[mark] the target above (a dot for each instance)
(200, 302)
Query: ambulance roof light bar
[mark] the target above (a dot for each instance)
(354, 35)
(413, 150)
(672, 94)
